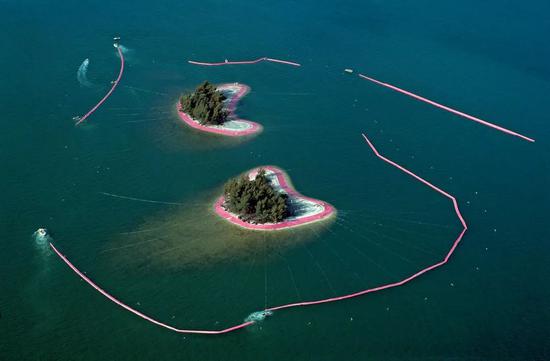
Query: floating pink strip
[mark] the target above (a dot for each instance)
(244, 62)
(307, 303)
(110, 90)
(253, 127)
(441, 106)
(410, 278)
(283, 182)
(135, 312)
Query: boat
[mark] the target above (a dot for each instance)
(348, 70)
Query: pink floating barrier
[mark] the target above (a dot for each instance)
(115, 83)
(411, 277)
(251, 127)
(283, 61)
(136, 312)
(268, 311)
(444, 107)
(242, 62)
(326, 209)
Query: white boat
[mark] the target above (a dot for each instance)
(348, 70)
(42, 232)
(41, 237)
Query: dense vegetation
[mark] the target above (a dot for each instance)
(255, 200)
(205, 105)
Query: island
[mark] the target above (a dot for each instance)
(212, 109)
(264, 199)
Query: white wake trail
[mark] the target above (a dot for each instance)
(81, 73)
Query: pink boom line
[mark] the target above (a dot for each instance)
(444, 107)
(231, 107)
(136, 312)
(285, 185)
(306, 303)
(110, 90)
(244, 62)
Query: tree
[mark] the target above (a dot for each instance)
(255, 200)
(205, 105)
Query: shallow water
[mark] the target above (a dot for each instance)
(183, 266)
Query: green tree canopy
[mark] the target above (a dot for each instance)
(255, 200)
(205, 105)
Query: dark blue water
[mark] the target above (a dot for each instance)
(184, 266)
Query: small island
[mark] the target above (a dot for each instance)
(212, 109)
(264, 199)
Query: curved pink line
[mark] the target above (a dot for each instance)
(136, 312)
(444, 107)
(110, 90)
(242, 62)
(231, 107)
(283, 181)
(415, 275)
(243, 90)
(306, 303)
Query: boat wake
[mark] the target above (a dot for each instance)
(41, 237)
(124, 49)
(258, 316)
(81, 74)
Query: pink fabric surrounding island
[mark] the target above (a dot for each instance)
(267, 311)
(243, 127)
(326, 209)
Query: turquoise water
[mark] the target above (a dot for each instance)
(183, 266)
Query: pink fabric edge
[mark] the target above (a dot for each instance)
(282, 177)
(255, 127)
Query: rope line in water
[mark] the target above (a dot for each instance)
(244, 62)
(444, 107)
(141, 199)
(115, 83)
(268, 311)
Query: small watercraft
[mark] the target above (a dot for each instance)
(42, 232)
(348, 70)
(41, 236)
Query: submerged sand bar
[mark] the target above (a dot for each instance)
(233, 127)
(305, 210)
